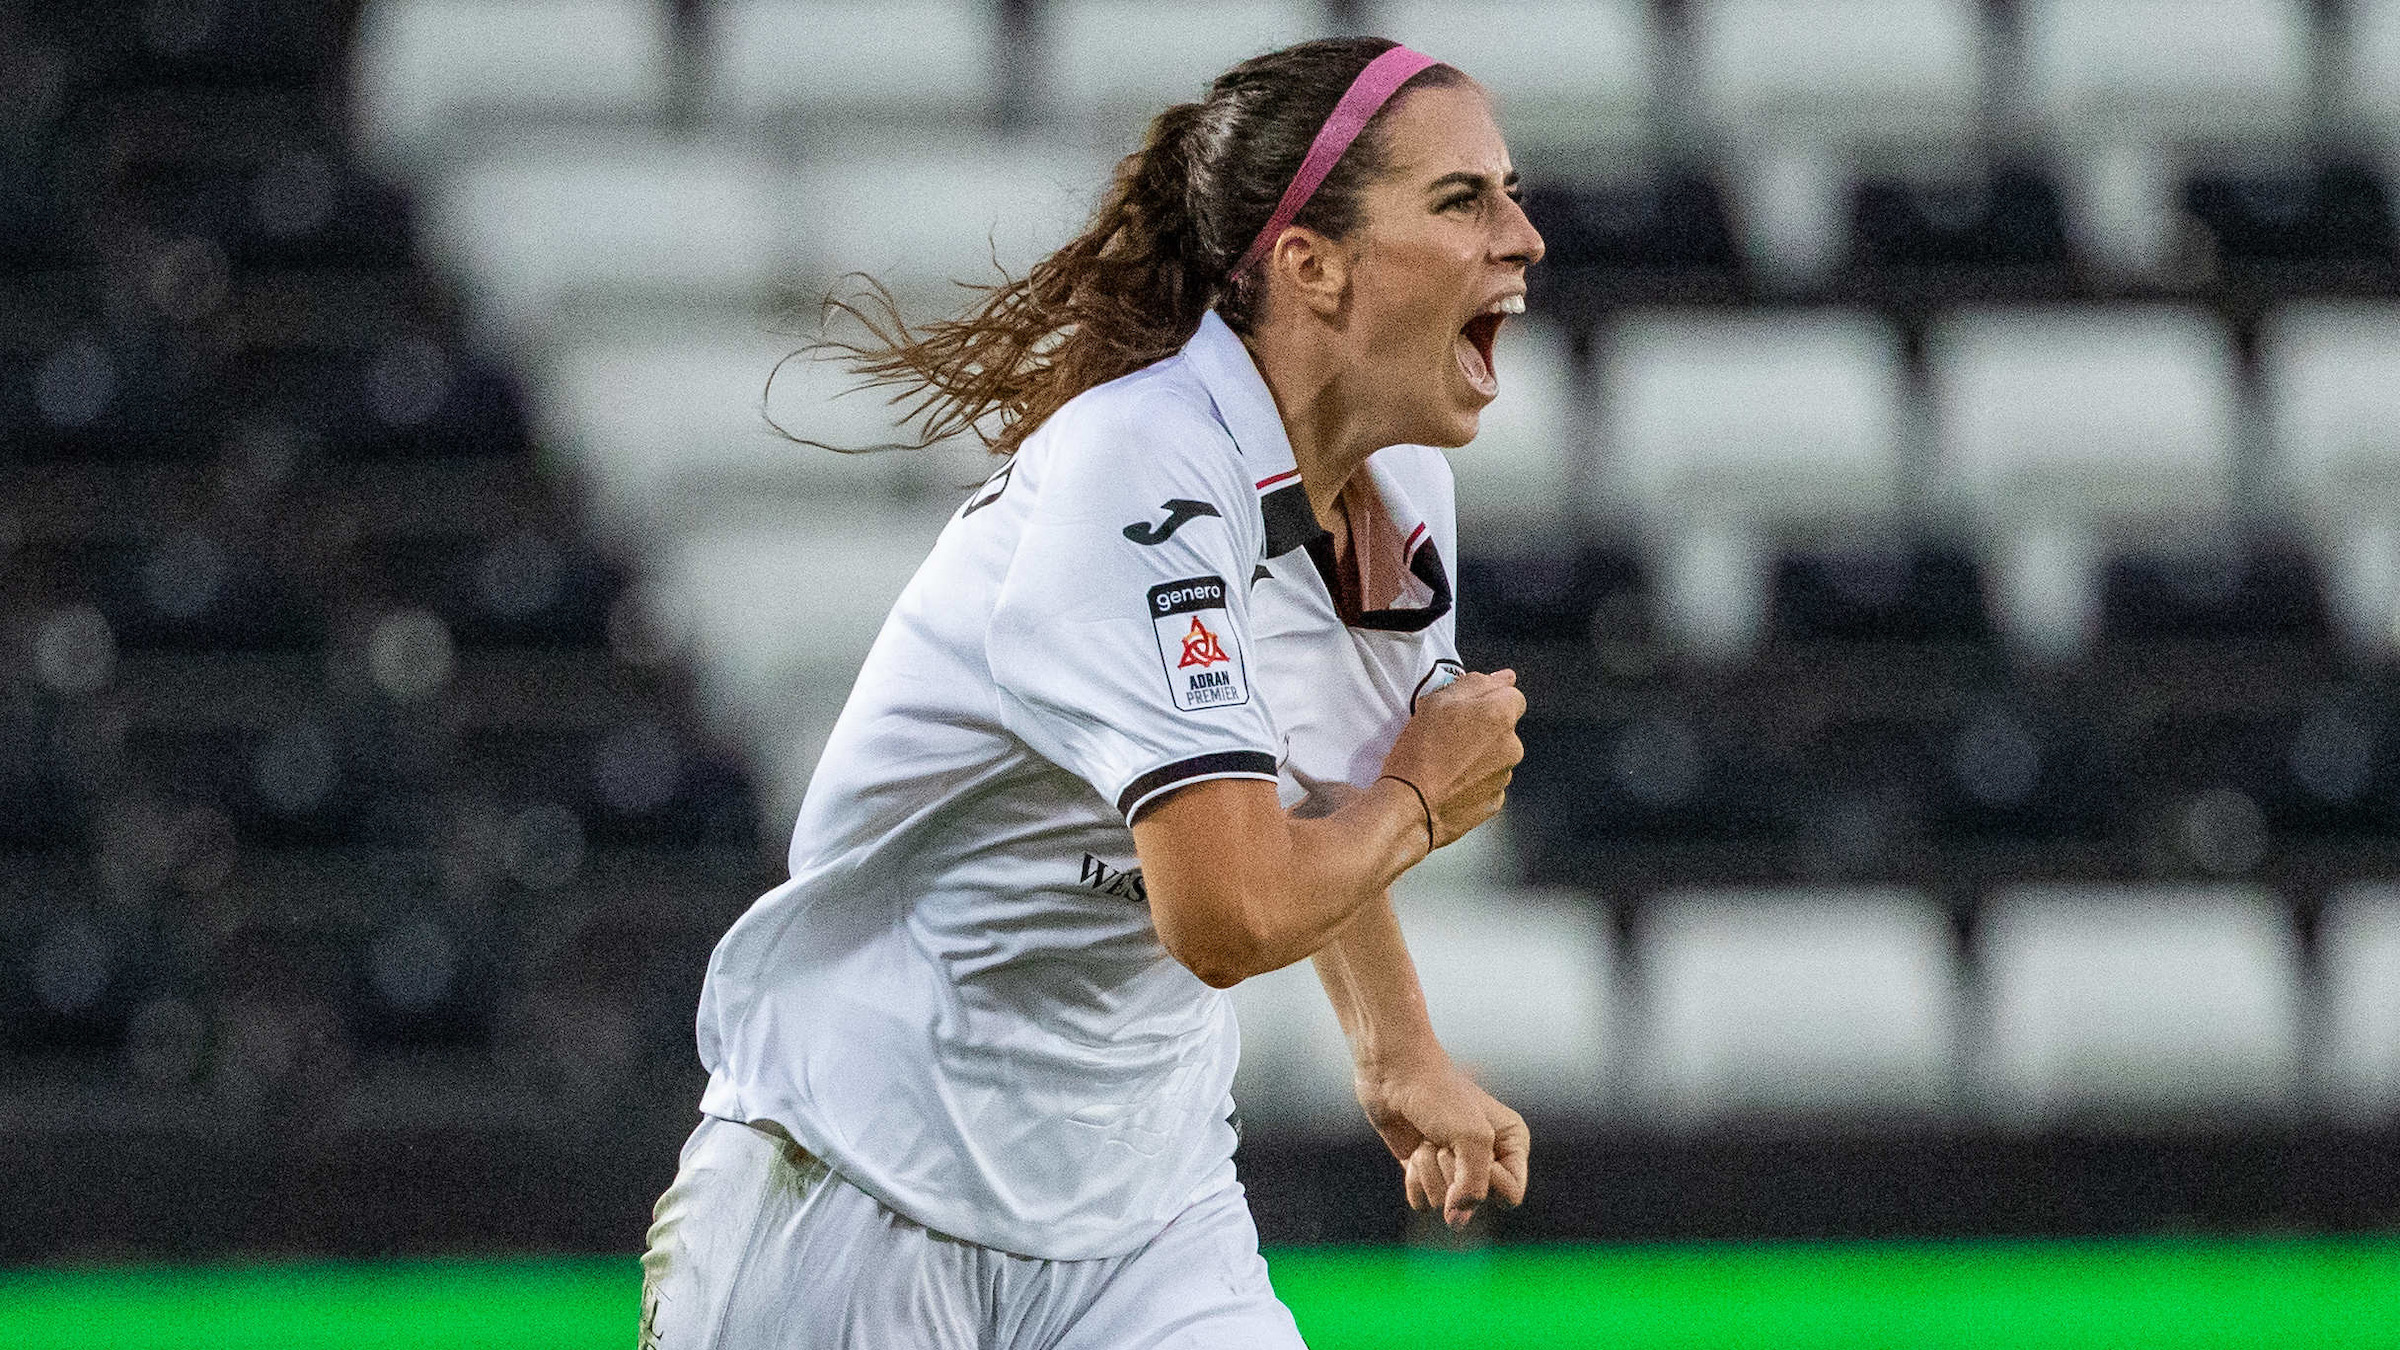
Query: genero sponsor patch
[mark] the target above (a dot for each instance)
(1197, 645)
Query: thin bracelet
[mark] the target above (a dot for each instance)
(1429, 844)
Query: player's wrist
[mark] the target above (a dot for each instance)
(1396, 1055)
(1411, 813)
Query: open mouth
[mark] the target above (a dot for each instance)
(1474, 344)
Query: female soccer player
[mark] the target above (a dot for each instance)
(1172, 702)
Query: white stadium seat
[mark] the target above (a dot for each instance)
(1295, 1067)
(1573, 79)
(2106, 414)
(610, 219)
(2060, 428)
(434, 74)
(1721, 432)
(2120, 1002)
(2332, 376)
(771, 596)
(1519, 984)
(666, 426)
(1766, 416)
(1806, 1003)
(2370, 73)
(1870, 76)
(2359, 952)
(1517, 479)
(922, 215)
(777, 607)
(1803, 96)
(2133, 92)
(2171, 72)
(1499, 963)
(2332, 371)
(898, 59)
(1112, 65)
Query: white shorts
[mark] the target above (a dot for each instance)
(757, 1244)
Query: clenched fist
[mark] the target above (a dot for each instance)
(1460, 748)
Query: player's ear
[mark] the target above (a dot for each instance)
(1317, 268)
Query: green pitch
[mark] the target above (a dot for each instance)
(2320, 1293)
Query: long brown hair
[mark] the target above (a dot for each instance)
(1154, 258)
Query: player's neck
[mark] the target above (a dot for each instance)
(1331, 428)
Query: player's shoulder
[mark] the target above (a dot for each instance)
(1155, 426)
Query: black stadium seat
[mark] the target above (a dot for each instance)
(2006, 229)
(35, 230)
(2263, 590)
(187, 591)
(39, 809)
(2024, 772)
(89, 396)
(1887, 595)
(407, 397)
(293, 206)
(524, 587)
(1570, 596)
(1659, 236)
(2335, 217)
(642, 781)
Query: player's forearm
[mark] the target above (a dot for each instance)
(1345, 863)
(1239, 887)
(1371, 981)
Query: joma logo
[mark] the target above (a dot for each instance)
(1179, 510)
(1125, 883)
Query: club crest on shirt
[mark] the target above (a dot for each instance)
(1197, 646)
(1446, 670)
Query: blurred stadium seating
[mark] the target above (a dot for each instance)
(344, 785)
(1942, 505)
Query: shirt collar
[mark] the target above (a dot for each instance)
(1401, 584)
(1406, 594)
(1247, 408)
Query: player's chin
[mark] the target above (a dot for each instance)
(1461, 415)
(1454, 426)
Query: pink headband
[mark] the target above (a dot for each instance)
(1367, 94)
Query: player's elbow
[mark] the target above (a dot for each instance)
(1219, 974)
(1218, 938)
(1220, 960)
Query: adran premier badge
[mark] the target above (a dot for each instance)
(1196, 645)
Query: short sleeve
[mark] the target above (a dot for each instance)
(1120, 644)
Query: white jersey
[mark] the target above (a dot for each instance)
(958, 1000)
